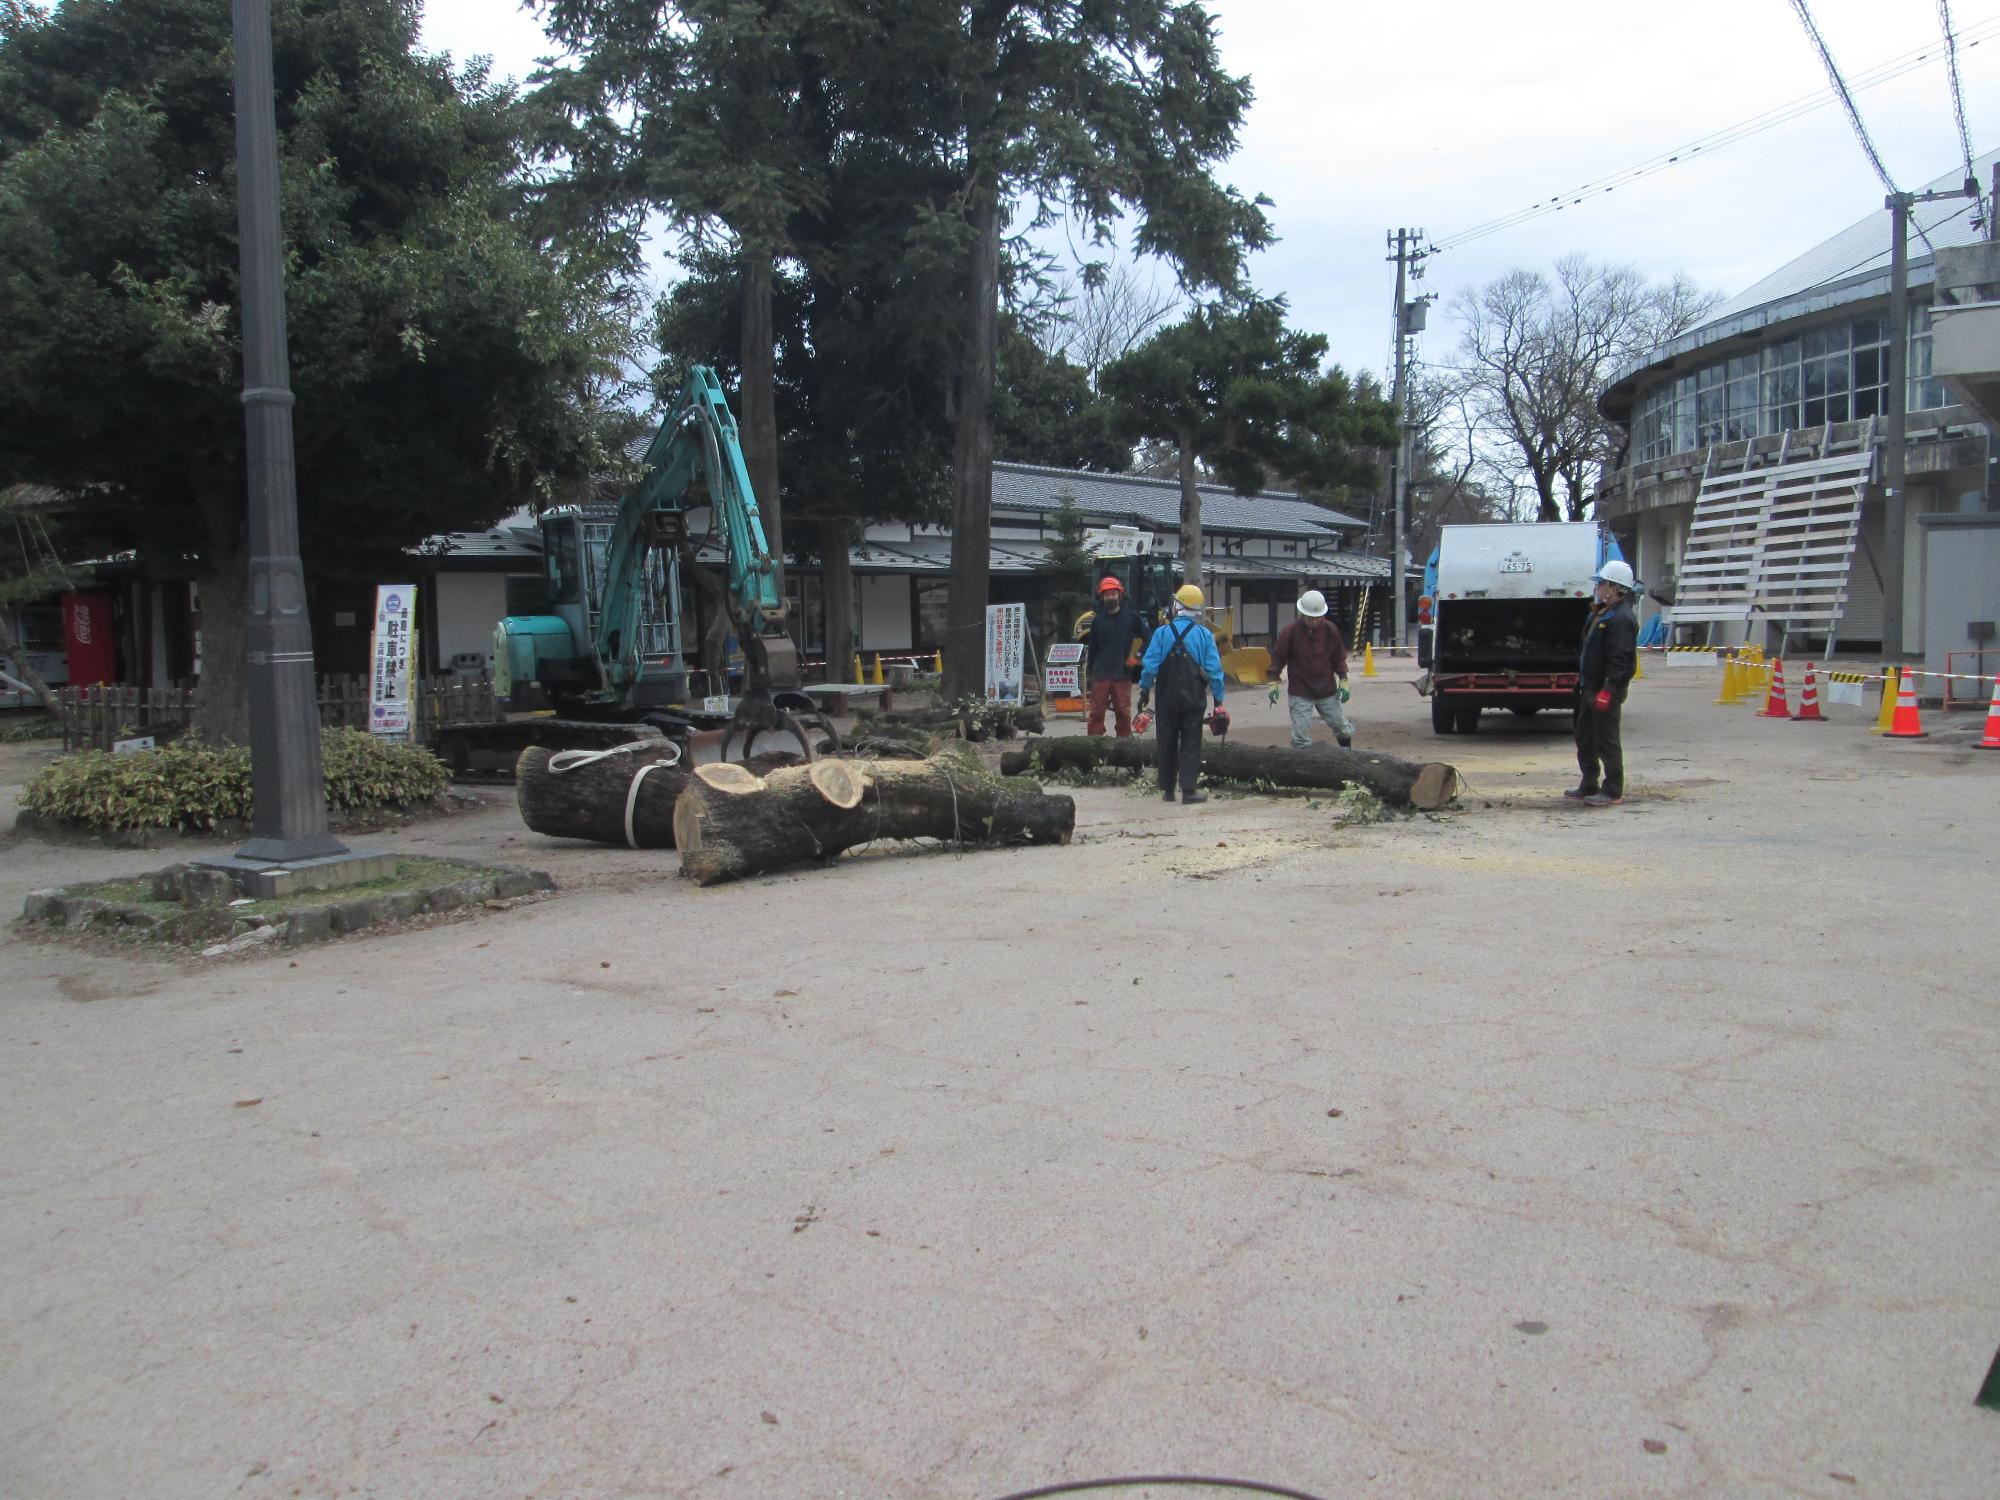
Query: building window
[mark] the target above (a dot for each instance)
(1838, 372)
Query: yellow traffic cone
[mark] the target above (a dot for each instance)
(878, 679)
(937, 662)
(1638, 665)
(1886, 719)
(860, 674)
(1368, 660)
(1727, 693)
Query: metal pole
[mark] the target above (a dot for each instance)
(288, 806)
(1893, 506)
(1400, 475)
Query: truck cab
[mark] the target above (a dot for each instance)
(1502, 616)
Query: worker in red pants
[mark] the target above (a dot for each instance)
(1115, 632)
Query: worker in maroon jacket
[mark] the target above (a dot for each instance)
(1312, 648)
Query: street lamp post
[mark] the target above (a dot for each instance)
(288, 808)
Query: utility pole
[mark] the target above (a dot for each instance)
(1406, 255)
(1895, 503)
(287, 784)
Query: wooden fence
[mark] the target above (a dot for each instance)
(94, 717)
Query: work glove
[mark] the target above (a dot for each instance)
(1145, 700)
(1344, 694)
(1274, 692)
(1602, 702)
(1218, 702)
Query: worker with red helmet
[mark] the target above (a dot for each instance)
(1115, 636)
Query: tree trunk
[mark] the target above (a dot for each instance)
(972, 441)
(587, 798)
(837, 594)
(222, 695)
(758, 398)
(731, 822)
(10, 648)
(1191, 558)
(1400, 783)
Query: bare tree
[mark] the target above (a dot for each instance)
(1092, 326)
(1535, 352)
(1451, 475)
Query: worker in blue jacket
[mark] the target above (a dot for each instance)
(1181, 658)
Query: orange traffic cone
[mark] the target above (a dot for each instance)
(1775, 706)
(1809, 701)
(1992, 739)
(1906, 725)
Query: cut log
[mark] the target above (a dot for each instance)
(587, 798)
(1400, 783)
(730, 823)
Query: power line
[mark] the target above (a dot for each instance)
(1846, 99)
(1781, 114)
(1957, 87)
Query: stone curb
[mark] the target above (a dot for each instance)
(218, 928)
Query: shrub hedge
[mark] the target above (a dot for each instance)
(192, 786)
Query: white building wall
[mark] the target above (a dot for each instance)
(469, 605)
(885, 612)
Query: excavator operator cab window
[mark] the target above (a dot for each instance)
(563, 545)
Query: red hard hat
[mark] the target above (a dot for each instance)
(1111, 586)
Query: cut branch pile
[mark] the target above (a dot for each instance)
(1400, 783)
(733, 821)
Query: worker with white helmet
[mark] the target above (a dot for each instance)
(1311, 646)
(1605, 666)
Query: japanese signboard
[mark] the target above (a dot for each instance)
(1117, 541)
(1062, 677)
(1006, 635)
(390, 711)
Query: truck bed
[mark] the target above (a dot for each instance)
(1508, 635)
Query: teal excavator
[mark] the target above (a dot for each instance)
(607, 657)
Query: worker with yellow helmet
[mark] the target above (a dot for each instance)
(1182, 659)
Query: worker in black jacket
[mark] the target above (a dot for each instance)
(1115, 639)
(1609, 657)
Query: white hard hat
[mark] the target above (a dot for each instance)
(1616, 572)
(1312, 604)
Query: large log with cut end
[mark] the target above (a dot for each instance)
(732, 822)
(584, 797)
(1401, 783)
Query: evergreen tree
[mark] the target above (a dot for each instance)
(447, 369)
(1236, 393)
(1094, 109)
(1071, 569)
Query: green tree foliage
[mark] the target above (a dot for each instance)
(1239, 395)
(1044, 411)
(1104, 111)
(724, 117)
(446, 368)
(1071, 569)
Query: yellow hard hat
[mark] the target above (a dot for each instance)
(1189, 597)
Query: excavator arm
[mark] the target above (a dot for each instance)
(695, 447)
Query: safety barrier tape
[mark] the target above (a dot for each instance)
(1832, 676)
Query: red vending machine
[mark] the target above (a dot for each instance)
(90, 638)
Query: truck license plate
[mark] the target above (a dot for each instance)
(1516, 562)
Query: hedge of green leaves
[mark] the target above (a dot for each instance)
(194, 786)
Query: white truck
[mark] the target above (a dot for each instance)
(1501, 619)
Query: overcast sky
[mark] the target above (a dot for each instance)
(1446, 115)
